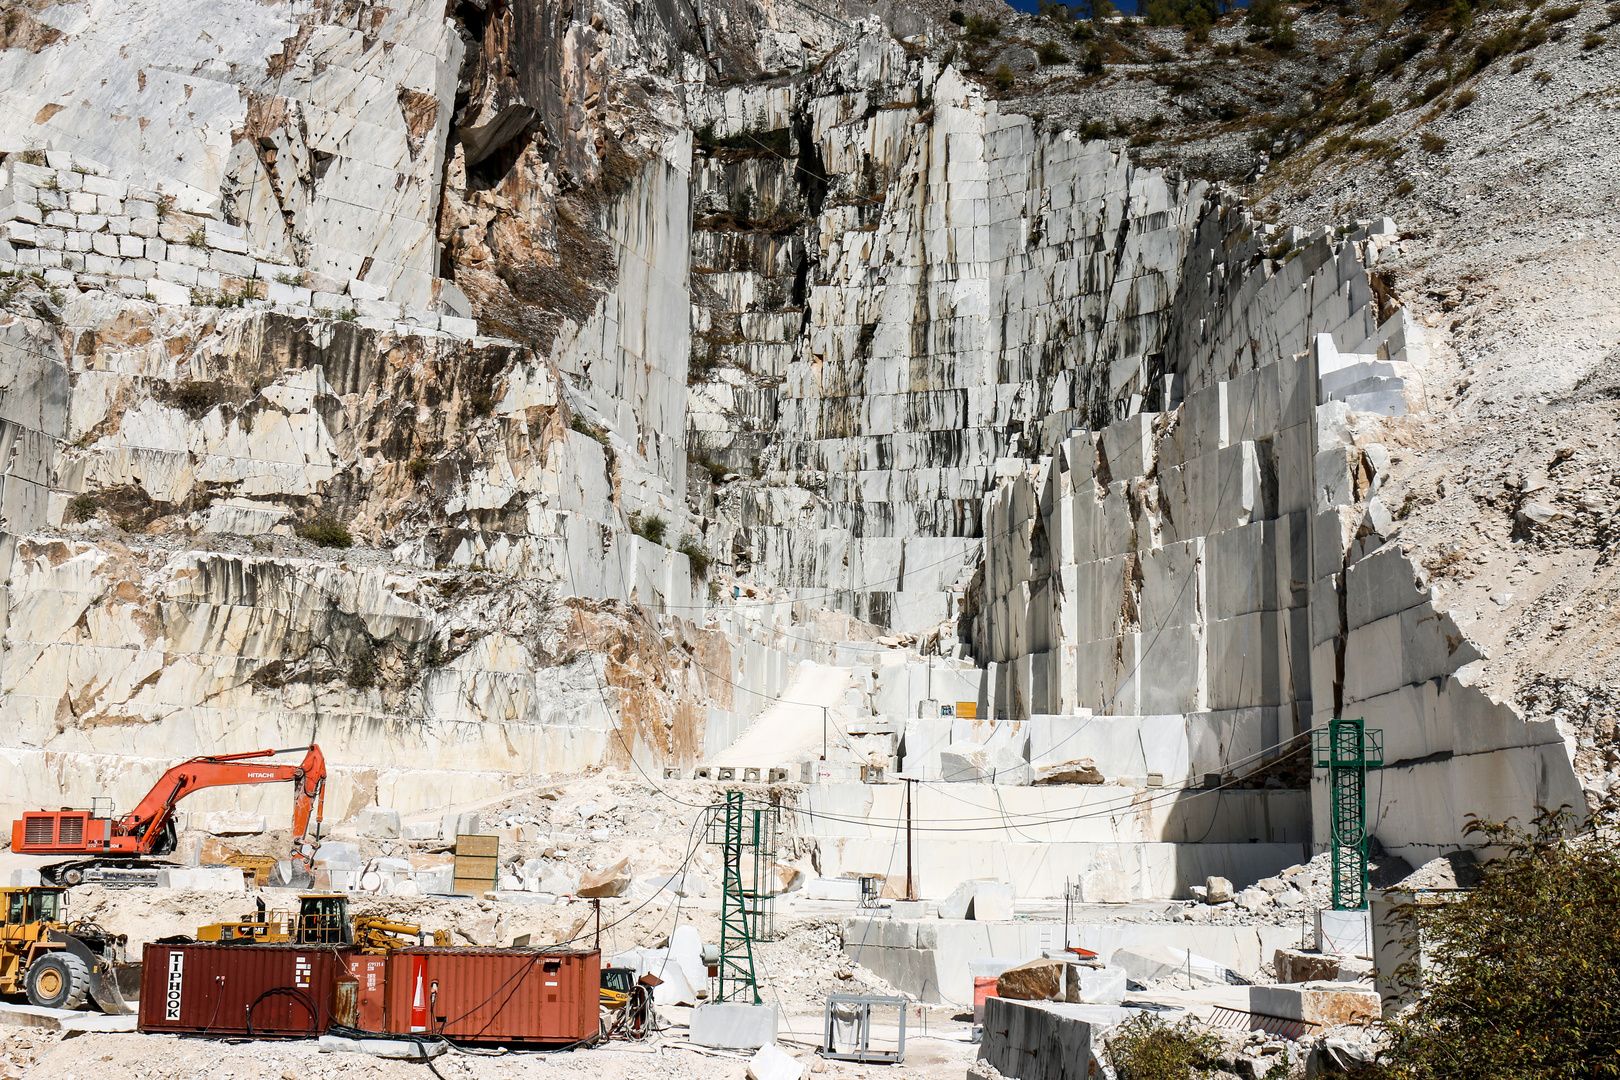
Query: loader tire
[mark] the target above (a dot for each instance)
(57, 981)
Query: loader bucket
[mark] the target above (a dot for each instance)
(105, 990)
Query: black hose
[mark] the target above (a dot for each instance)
(292, 992)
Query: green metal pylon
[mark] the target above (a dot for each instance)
(1347, 749)
(735, 979)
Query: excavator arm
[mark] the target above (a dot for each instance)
(147, 820)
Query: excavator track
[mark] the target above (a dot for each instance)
(109, 873)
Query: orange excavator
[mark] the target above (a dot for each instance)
(118, 851)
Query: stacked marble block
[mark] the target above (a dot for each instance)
(79, 228)
(1151, 568)
(1162, 564)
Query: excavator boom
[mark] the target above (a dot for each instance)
(148, 829)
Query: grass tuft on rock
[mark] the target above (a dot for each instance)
(327, 531)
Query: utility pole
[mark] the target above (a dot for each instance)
(911, 890)
(824, 733)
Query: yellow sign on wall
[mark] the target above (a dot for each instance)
(967, 710)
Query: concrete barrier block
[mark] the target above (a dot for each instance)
(733, 1026)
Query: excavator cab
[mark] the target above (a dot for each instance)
(323, 919)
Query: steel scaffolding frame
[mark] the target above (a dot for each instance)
(1347, 749)
(746, 836)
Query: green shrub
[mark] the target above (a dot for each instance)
(1593, 41)
(1464, 99)
(84, 506)
(585, 427)
(1377, 112)
(1404, 188)
(648, 526)
(1561, 14)
(327, 531)
(1147, 1048)
(418, 467)
(197, 238)
(981, 29)
(1431, 142)
(1521, 975)
(697, 556)
(1003, 78)
(1051, 53)
(957, 17)
(1266, 14)
(1094, 63)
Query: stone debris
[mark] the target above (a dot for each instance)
(1083, 771)
(612, 880)
(1037, 980)
(771, 1062)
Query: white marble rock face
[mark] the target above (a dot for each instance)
(975, 375)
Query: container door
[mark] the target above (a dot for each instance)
(372, 973)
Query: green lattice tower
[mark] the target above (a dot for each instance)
(736, 829)
(1347, 749)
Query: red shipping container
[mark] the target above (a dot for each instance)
(496, 995)
(371, 972)
(213, 989)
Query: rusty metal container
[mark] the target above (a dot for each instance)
(495, 995)
(370, 974)
(216, 989)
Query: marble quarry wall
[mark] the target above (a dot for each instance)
(895, 286)
(493, 288)
(1222, 557)
(211, 365)
(319, 131)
